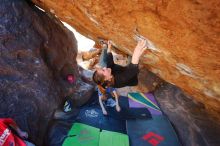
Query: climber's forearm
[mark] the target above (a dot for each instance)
(139, 49)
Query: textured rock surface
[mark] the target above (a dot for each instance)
(36, 52)
(184, 37)
(194, 126)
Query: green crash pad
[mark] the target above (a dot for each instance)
(142, 99)
(108, 138)
(82, 135)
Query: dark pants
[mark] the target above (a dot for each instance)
(103, 58)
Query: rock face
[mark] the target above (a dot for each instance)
(183, 36)
(194, 125)
(37, 52)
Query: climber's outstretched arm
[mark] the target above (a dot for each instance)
(139, 49)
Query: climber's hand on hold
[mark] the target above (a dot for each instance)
(138, 51)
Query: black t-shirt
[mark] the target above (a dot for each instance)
(123, 76)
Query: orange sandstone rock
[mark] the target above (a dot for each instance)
(183, 37)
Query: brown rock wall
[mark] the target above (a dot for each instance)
(34, 50)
